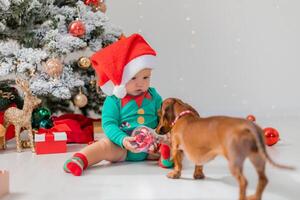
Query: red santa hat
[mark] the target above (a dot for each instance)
(117, 63)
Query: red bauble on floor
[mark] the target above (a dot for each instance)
(271, 136)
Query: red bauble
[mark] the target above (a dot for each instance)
(77, 28)
(144, 138)
(271, 136)
(251, 118)
(92, 2)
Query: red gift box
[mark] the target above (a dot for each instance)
(80, 127)
(50, 142)
(10, 131)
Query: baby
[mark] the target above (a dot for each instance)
(124, 70)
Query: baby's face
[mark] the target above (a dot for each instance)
(139, 83)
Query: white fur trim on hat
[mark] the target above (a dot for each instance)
(136, 65)
(120, 91)
(108, 88)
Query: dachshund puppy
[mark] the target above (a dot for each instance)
(202, 139)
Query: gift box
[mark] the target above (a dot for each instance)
(50, 142)
(80, 128)
(4, 183)
(10, 131)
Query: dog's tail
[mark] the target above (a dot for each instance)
(258, 134)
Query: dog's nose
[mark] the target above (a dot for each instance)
(160, 131)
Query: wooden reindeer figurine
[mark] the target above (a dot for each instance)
(22, 118)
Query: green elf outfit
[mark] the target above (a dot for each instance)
(121, 116)
(115, 66)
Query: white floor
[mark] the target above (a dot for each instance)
(36, 177)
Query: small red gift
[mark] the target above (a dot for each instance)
(10, 132)
(50, 142)
(80, 127)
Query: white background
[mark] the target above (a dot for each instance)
(231, 57)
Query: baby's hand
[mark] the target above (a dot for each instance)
(153, 149)
(128, 143)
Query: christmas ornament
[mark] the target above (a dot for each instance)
(39, 115)
(144, 138)
(122, 36)
(77, 28)
(31, 72)
(25, 144)
(93, 83)
(84, 62)
(251, 118)
(46, 123)
(101, 7)
(271, 136)
(91, 2)
(22, 118)
(9, 95)
(80, 100)
(53, 67)
(6, 99)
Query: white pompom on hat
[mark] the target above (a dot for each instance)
(117, 63)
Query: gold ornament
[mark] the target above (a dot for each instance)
(84, 62)
(25, 144)
(22, 118)
(7, 95)
(53, 67)
(93, 83)
(122, 36)
(31, 72)
(101, 7)
(80, 100)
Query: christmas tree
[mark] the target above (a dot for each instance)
(49, 42)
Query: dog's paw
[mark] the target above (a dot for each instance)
(199, 176)
(174, 174)
(3, 147)
(252, 197)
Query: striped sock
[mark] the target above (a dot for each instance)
(76, 164)
(165, 157)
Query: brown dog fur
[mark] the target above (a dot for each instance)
(202, 139)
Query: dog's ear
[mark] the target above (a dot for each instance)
(169, 112)
(188, 107)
